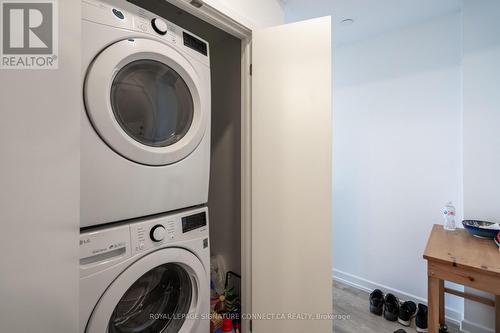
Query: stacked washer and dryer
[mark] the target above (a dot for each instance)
(145, 159)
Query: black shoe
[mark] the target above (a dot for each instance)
(391, 307)
(407, 311)
(376, 302)
(421, 319)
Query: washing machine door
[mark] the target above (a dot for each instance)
(158, 293)
(145, 100)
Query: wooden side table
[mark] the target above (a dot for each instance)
(459, 257)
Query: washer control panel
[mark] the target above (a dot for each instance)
(154, 232)
(105, 246)
(159, 26)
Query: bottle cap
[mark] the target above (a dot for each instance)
(227, 325)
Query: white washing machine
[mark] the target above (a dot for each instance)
(151, 275)
(145, 133)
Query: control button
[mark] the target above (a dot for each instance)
(141, 246)
(158, 233)
(118, 14)
(159, 26)
(172, 236)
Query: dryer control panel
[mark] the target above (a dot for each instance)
(125, 15)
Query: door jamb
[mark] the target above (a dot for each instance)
(246, 181)
(231, 26)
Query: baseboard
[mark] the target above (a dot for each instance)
(470, 327)
(453, 317)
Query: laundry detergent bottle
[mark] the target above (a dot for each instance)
(227, 326)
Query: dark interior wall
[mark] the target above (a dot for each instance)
(225, 175)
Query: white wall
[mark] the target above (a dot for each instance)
(397, 151)
(416, 117)
(39, 196)
(254, 14)
(481, 101)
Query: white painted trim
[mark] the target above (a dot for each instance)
(246, 181)
(231, 13)
(216, 18)
(453, 317)
(470, 327)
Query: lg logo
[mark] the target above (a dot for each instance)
(84, 241)
(29, 28)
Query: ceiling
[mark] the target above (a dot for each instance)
(371, 17)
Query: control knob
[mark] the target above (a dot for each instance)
(158, 233)
(159, 26)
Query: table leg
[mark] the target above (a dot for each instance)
(497, 314)
(435, 304)
(441, 302)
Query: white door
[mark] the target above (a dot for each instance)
(292, 177)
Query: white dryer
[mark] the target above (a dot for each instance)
(151, 275)
(145, 134)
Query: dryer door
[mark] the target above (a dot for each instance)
(158, 293)
(146, 101)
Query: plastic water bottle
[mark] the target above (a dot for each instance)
(449, 217)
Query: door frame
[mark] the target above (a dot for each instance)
(224, 22)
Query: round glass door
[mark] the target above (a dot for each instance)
(165, 291)
(148, 102)
(152, 103)
(157, 302)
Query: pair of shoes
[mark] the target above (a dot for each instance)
(393, 310)
(407, 312)
(387, 305)
(404, 312)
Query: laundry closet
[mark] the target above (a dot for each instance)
(205, 169)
